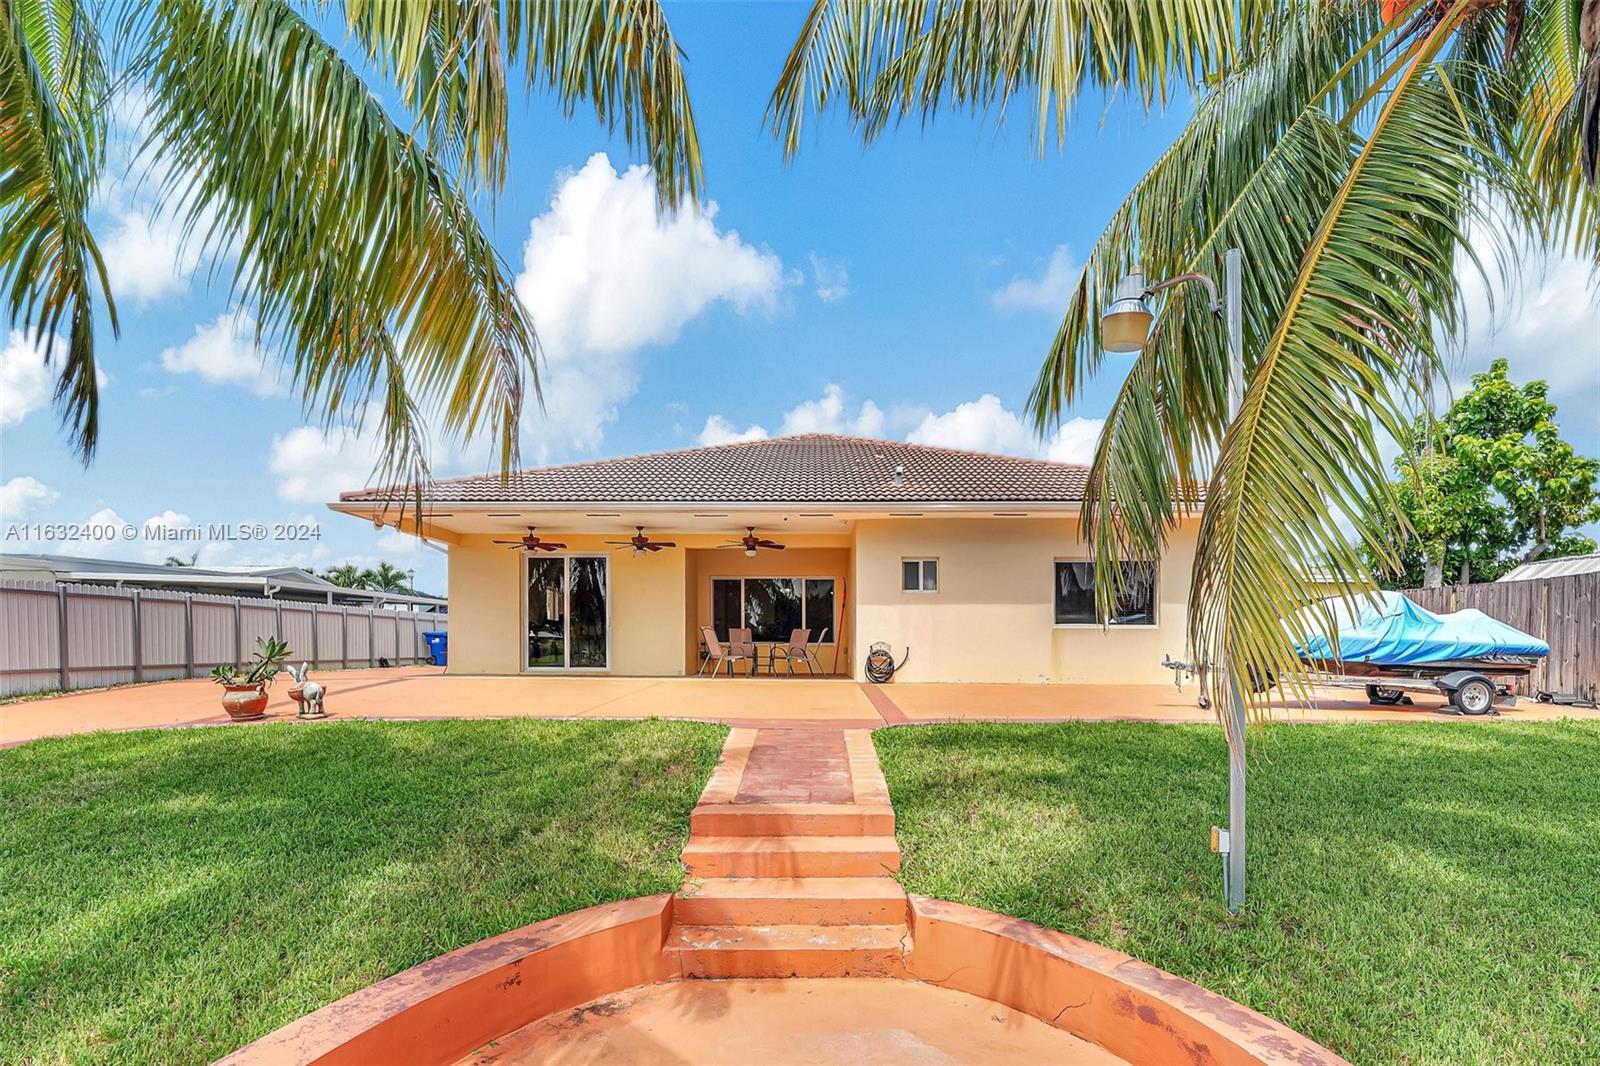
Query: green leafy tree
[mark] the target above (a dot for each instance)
(1348, 146)
(1490, 486)
(352, 232)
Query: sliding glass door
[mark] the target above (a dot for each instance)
(568, 623)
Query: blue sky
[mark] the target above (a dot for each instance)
(908, 289)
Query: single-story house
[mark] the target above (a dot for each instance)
(972, 562)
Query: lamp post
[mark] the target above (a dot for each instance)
(1125, 327)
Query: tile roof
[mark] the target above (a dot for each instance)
(807, 468)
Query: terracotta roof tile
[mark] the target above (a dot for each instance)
(807, 468)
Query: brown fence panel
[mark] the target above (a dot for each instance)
(1559, 610)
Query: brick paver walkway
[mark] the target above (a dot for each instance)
(791, 862)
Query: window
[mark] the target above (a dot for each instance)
(919, 575)
(1075, 599)
(772, 607)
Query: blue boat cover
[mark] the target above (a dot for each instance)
(1394, 631)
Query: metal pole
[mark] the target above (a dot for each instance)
(188, 634)
(1233, 304)
(138, 638)
(61, 635)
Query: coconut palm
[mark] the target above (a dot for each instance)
(1355, 149)
(385, 577)
(351, 233)
(345, 575)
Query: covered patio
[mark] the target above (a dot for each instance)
(421, 692)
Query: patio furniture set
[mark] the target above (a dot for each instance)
(742, 647)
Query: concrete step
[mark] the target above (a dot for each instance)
(791, 950)
(791, 856)
(791, 901)
(792, 819)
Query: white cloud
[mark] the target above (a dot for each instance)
(604, 275)
(985, 425)
(832, 278)
(23, 495)
(831, 415)
(146, 256)
(315, 465)
(24, 378)
(719, 430)
(1546, 324)
(1048, 291)
(827, 414)
(224, 351)
(394, 542)
(981, 425)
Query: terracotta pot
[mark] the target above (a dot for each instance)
(297, 692)
(244, 701)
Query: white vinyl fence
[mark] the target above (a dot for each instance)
(61, 636)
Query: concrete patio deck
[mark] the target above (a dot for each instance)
(428, 692)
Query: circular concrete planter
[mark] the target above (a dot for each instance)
(440, 1011)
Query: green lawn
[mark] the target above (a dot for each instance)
(1418, 893)
(167, 896)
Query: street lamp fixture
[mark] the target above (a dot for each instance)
(1125, 327)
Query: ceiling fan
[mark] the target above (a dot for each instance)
(532, 543)
(750, 542)
(641, 543)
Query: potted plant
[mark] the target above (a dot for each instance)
(245, 690)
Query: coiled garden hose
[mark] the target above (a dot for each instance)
(881, 665)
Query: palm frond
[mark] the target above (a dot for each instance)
(359, 255)
(886, 60)
(1299, 475)
(52, 91)
(1253, 169)
(450, 59)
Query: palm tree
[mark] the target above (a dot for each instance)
(1355, 150)
(346, 575)
(352, 233)
(384, 578)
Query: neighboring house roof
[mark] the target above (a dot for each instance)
(285, 582)
(1563, 567)
(806, 468)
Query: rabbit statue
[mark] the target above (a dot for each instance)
(311, 692)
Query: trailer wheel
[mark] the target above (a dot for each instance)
(1474, 696)
(1384, 696)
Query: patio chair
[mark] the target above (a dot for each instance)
(742, 645)
(719, 653)
(814, 647)
(793, 651)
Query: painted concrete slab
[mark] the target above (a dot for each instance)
(428, 692)
(822, 1020)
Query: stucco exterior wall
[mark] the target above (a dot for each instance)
(649, 600)
(993, 617)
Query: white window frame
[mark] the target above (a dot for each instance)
(566, 612)
(1155, 603)
(805, 604)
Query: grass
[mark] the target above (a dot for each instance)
(167, 896)
(1418, 893)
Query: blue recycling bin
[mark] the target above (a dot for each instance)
(439, 646)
